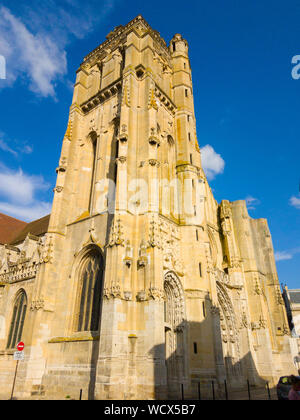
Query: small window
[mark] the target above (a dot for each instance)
(200, 269)
(195, 211)
(189, 136)
(197, 235)
(116, 157)
(174, 46)
(186, 93)
(140, 73)
(191, 159)
(184, 65)
(195, 348)
(203, 309)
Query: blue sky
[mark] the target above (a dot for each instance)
(246, 100)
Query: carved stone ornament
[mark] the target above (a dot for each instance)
(112, 292)
(154, 234)
(156, 293)
(215, 310)
(255, 325)
(17, 266)
(126, 94)
(262, 323)
(154, 141)
(128, 296)
(152, 103)
(244, 321)
(154, 162)
(38, 304)
(58, 189)
(141, 296)
(143, 257)
(116, 237)
(121, 159)
(173, 288)
(278, 295)
(128, 254)
(257, 287)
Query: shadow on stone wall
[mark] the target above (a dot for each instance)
(179, 374)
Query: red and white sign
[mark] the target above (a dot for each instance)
(20, 346)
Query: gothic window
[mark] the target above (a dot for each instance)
(90, 292)
(17, 320)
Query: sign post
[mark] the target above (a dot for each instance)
(18, 355)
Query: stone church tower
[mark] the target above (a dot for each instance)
(141, 282)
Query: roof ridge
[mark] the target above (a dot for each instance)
(13, 218)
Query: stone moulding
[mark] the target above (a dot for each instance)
(15, 276)
(165, 100)
(102, 96)
(73, 339)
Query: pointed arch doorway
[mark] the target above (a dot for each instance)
(175, 334)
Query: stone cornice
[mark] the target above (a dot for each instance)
(102, 96)
(164, 99)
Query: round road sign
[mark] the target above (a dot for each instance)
(20, 346)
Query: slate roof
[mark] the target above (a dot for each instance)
(294, 296)
(9, 228)
(37, 228)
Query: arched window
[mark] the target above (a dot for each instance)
(17, 320)
(90, 292)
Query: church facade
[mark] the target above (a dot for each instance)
(139, 281)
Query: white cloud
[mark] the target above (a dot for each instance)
(5, 147)
(252, 202)
(14, 147)
(34, 46)
(18, 194)
(26, 213)
(283, 255)
(213, 164)
(35, 55)
(295, 202)
(286, 255)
